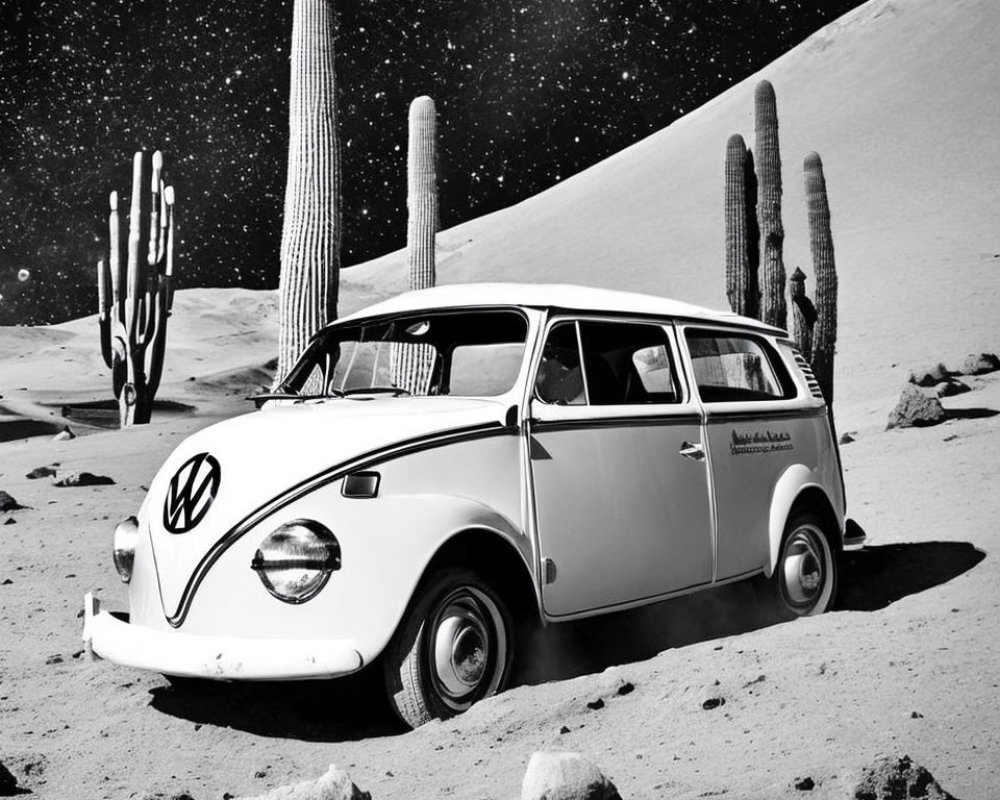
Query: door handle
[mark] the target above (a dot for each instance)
(693, 451)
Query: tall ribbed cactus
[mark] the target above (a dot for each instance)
(741, 229)
(412, 363)
(773, 309)
(310, 237)
(821, 244)
(134, 298)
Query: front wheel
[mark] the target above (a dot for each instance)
(805, 578)
(453, 648)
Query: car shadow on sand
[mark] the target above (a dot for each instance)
(870, 579)
(354, 707)
(344, 710)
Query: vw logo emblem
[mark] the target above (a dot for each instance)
(191, 492)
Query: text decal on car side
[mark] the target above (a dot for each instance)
(750, 442)
(191, 492)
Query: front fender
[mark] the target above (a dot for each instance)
(386, 544)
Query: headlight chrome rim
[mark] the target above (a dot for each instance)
(301, 547)
(123, 552)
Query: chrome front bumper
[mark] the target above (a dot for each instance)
(175, 653)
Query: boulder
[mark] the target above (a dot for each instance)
(980, 363)
(41, 472)
(335, 784)
(565, 776)
(898, 778)
(916, 409)
(931, 376)
(951, 387)
(8, 503)
(83, 479)
(8, 783)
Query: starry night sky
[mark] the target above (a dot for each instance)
(528, 93)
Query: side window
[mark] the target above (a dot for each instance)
(731, 367)
(627, 363)
(560, 378)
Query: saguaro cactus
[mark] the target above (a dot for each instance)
(311, 232)
(134, 298)
(772, 270)
(412, 363)
(821, 245)
(741, 229)
(422, 198)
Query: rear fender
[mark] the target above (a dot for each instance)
(795, 481)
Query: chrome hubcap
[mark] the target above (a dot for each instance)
(467, 647)
(803, 567)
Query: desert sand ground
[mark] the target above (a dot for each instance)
(900, 99)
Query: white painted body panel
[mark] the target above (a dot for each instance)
(602, 491)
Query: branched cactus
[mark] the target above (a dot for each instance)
(134, 297)
(412, 363)
(821, 245)
(803, 313)
(773, 309)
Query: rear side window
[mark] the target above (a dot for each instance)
(607, 363)
(732, 367)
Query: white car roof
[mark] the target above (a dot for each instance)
(549, 295)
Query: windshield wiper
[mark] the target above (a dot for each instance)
(395, 391)
(263, 397)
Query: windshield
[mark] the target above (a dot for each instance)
(475, 353)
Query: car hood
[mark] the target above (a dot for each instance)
(221, 476)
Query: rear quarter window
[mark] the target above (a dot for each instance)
(735, 367)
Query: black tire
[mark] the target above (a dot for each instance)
(804, 582)
(454, 647)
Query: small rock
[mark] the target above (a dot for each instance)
(898, 779)
(596, 705)
(10, 521)
(713, 702)
(952, 387)
(916, 409)
(84, 479)
(41, 472)
(8, 783)
(334, 784)
(806, 784)
(8, 503)
(848, 437)
(64, 435)
(565, 776)
(980, 364)
(54, 659)
(563, 730)
(930, 377)
(6, 582)
(626, 688)
(916, 715)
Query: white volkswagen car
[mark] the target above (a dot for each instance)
(451, 463)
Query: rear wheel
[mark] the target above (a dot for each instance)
(453, 648)
(805, 578)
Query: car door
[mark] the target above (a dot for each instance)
(620, 484)
(754, 428)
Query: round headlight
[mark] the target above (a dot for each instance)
(126, 537)
(295, 561)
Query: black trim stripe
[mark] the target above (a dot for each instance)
(539, 426)
(764, 415)
(327, 476)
